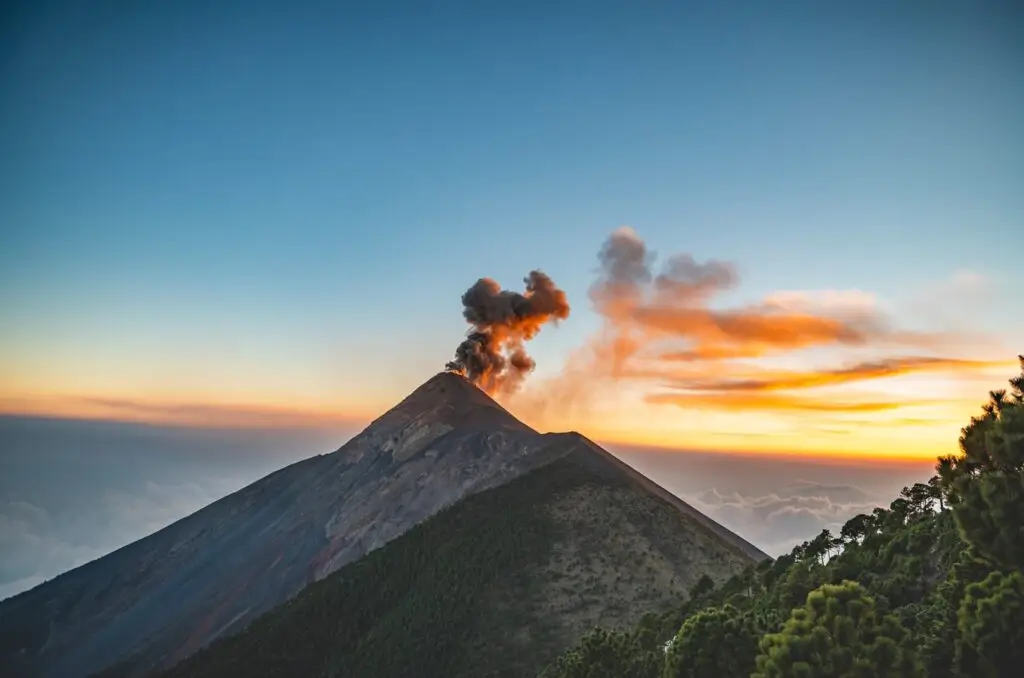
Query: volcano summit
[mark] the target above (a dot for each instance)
(358, 517)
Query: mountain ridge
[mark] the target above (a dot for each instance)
(167, 595)
(497, 584)
(736, 540)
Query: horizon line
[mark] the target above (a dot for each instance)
(834, 457)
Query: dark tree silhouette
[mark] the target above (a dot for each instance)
(704, 585)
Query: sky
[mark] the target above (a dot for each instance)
(233, 233)
(259, 215)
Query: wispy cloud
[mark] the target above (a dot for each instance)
(782, 519)
(217, 415)
(670, 316)
(863, 371)
(666, 328)
(640, 307)
(770, 402)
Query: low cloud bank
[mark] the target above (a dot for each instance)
(72, 491)
(780, 520)
(775, 502)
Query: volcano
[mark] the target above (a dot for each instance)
(153, 603)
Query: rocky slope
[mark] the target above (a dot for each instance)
(497, 585)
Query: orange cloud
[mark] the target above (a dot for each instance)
(640, 307)
(752, 331)
(705, 353)
(770, 402)
(178, 414)
(861, 371)
(662, 325)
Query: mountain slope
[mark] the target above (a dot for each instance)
(157, 601)
(496, 585)
(163, 597)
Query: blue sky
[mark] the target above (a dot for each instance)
(256, 202)
(232, 213)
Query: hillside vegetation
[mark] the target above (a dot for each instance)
(932, 587)
(497, 585)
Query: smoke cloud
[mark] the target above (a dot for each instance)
(493, 355)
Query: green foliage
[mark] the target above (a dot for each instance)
(601, 654)
(991, 625)
(985, 485)
(931, 586)
(714, 643)
(901, 561)
(837, 633)
(703, 586)
(801, 579)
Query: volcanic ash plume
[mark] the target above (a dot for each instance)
(493, 356)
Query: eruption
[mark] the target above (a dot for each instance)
(493, 355)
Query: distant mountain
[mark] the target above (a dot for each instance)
(157, 601)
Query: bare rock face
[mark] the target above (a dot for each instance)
(445, 441)
(163, 597)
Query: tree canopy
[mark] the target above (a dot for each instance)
(838, 632)
(985, 484)
(714, 643)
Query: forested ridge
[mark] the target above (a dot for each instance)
(931, 587)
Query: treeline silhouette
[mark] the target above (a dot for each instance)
(932, 587)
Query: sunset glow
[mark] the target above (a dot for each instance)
(823, 374)
(831, 424)
(809, 246)
(894, 409)
(664, 324)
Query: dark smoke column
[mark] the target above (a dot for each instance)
(493, 355)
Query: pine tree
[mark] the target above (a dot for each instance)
(991, 627)
(714, 643)
(837, 634)
(985, 484)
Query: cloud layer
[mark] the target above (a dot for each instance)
(72, 491)
(778, 521)
(775, 502)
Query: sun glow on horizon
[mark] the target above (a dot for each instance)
(198, 414)
(896, 424)
(914, 431)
